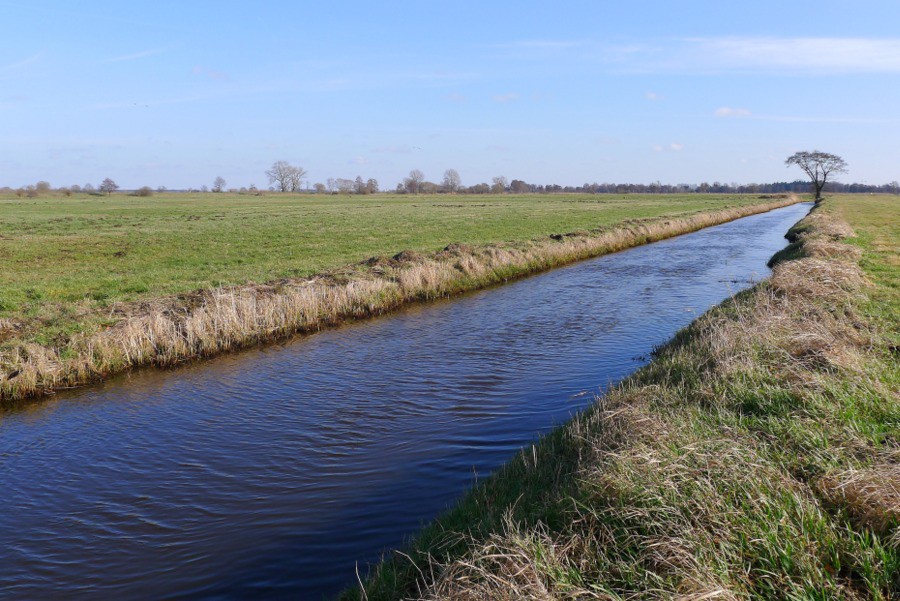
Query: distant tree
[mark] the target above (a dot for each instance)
(42, 186)
(204, 189)
(144, 191)
(161, 189)
(319, 188)
(31, 192)
(108, 186)
(344, 185)
(359, 186)
(518, 186)
(372, 185)
(287, 177)
(88, 188)
(413, 181)
(218, 184)
(895, 187)
(75, 189)
(65, 192)
(499, 185)
(451, 181)
(818, 166)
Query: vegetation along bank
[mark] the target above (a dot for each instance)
(46, 345)
(758, 455)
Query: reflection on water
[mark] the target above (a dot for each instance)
(274, 471)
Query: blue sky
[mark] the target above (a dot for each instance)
(175, 93)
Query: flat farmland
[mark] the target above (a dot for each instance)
(66, 259)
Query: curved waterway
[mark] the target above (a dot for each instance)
(274, 471)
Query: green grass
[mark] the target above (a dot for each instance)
(755, 458)
(65, 259)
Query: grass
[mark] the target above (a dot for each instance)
(92, 286)
(757, 457)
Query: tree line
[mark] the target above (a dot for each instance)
(284, 177)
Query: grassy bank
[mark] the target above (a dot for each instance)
(756, 457)
(57, 333)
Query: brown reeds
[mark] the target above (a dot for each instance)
(169, 331)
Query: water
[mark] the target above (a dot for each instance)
(275, 471)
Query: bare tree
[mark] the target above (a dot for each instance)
(414, 181)
(108, 186)
(286, 176)
(319, 188)
(451, 181)
(499, 186)
(372, 185)
(359, 185)
(218, 184)
(818, 166)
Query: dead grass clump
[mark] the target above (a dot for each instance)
(871, 495)
(517, 564)
(817, 279)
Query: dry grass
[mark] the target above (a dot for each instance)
(755, 458)
(169, 331)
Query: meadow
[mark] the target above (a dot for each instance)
(67, 260)
(755, 458)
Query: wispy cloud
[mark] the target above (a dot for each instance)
(652, 96)
(808, 54)
(22, 63)
(673, 147)
(727, 111)
(209, 73)
(717, 54)
(136, 55)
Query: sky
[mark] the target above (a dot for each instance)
(175, 93)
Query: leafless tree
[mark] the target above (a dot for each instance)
(818, 166)
(414, 181)
(319, 188)
(451, 181)
(218, 184)
(372, 185)
(286, 176)
(499, 186)
(108, 186)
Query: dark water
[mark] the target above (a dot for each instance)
(274, 471)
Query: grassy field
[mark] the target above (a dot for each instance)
(63, 257)
(757, 457)
(66, 249)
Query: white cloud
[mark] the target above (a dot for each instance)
(135, 56)
(673, 147)
(818, 55)
(726, 111)
(652, 96)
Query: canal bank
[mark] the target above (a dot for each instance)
(276, 470)
(170, 331)
(755, 457)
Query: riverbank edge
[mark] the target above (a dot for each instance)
(170, 331)
(754, 457)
